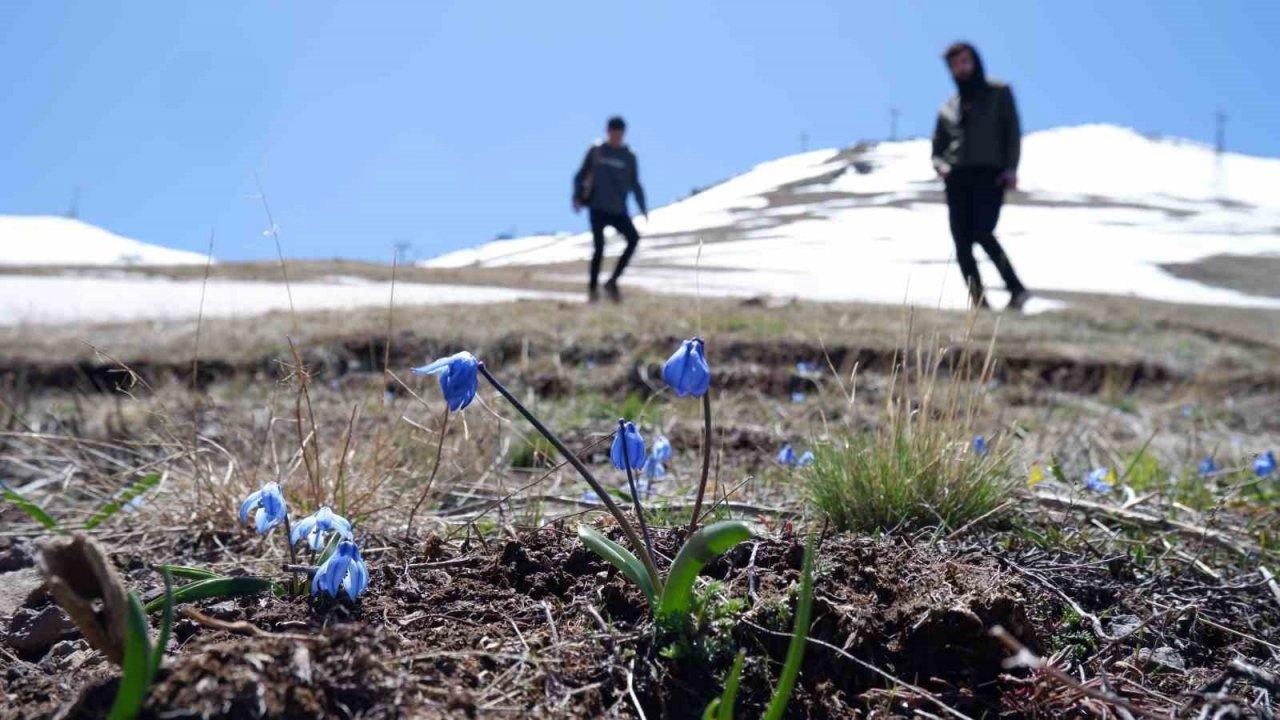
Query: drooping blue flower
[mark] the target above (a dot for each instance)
(686, 371)
(344, 570)
(980, 446)
(457, 378)
(1208, 466)
(661, 448)
(1097, 480)
(628, 447)
(797, 397)
(786, 456)
(315, 527)
(804, 366)
(1264, 464)
(269, 503)
(590, 496)
(653, 469)
(806, 459)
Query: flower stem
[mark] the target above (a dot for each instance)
(426, 489)
(706, 459)
(293, 555)
(635, 491)
(613, 508)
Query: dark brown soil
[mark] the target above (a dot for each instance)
(540, 627)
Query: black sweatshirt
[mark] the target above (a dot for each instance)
(613, 174)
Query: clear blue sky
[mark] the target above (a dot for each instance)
(442, 124)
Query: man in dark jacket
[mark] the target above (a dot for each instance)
(608, 174)
(976, 145)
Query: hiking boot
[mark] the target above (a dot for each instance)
(612, 292)
(1017, 300)
(977, 297)
(593, 295)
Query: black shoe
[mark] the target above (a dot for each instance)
(977, 297)
(593, 295)
(611, 290)
(1017, 300)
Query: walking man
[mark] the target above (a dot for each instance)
(976, 145)
(608, 174)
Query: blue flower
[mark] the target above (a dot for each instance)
(344, 570)
(686, 371)
(628, 447)
(653, 468)
(662, 448)
(786, 456)
(1208, 466)
(803, 367)
(797, 397)
(1264, 464)
(980, 446)
(590, 496)
(457, 378)
(315, 527)
(1097, 480)
(806, 459)
(269, 503)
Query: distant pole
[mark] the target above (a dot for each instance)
(893, 123)
(1220, 148)
(804, 142)
(74, 210)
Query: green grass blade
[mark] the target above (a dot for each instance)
(135, 679)
(187, 572)
(713, 710)
(731, 688)
(166, 622)
(619, 557)
(799, 638)
(215, 587)
(701, 548)
(36, 512)
(124, 497)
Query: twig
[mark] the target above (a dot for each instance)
(241, 627)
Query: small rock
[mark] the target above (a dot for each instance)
(1124, 625)
(1164, 656)
(15, 555)
(32, 632)
(16, 588)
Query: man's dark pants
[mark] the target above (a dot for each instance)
(620, 222)
(974, 197)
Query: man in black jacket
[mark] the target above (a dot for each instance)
(976, 147)
(608, 174)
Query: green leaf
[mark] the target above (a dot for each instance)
(731, 688)
(135, 680)
(122, 498)
(36, 512)
(215, 587)
(188, 573)
(799, 637)
(701, 548)
(711, 712)
(166, 622)
(619, 557)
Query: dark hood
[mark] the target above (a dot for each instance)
(977, 82)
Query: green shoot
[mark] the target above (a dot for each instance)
(701, 548)
(36, 512)
(123, 498)
(722, 707)
(799, 637)
(216, 587)
(619, 557)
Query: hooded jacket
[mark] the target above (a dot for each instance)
(978, 126)
(607, 176)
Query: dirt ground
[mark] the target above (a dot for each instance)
(1154, 603)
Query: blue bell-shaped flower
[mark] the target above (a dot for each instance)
(344, 570)
(269, 503)
(628, 447)
(661, 448)
(458, 378)
(686, 371)
(316, 526)
(787, 456)
(1264, 464)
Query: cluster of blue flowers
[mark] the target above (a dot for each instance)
(342, 571)
(787, 456)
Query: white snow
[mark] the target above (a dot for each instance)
(52, 240)
(1102, 208)
(32, 299)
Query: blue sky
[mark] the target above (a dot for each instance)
(442, 124)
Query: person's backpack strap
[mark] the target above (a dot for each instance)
(588, 180)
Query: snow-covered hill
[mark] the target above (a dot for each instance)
(1101, 208)
(52, 240)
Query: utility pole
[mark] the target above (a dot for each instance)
(1220, 148)
(893, 123)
